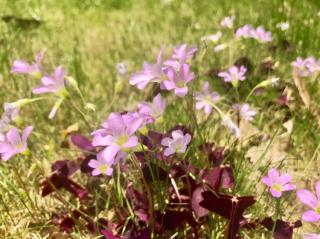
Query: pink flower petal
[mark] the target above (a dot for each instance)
(132, 142)
(288, 187)
(307, 198)
(310, 216)
(275, 193)
(13, 136)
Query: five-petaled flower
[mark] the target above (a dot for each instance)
(260, 34)
(149, 73)
(103, 164)
(227, 22)
(178, 80)
(234, 74)
(177, 144)
(53, 84)
(22, 67)
(313, 201)
(152, 111)
(13, 143)
(278, 183)
(206, 99)
(118, 133)
(245, 112)
(181, 55)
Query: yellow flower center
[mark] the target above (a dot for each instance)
(20, 145)
(178, 147)
(180, 84)
(318, 210)
(103, 168)
(277, 187)
(122, 140)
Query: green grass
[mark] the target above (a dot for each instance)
(90, 37)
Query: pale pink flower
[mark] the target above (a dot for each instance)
(234, 74)
(52, 84)
(22, 67)
(245, 112)
(311, 200)
(278, 183)
(152, 111)
(178, 80)
(13, 143)
(205, 99)
(149, 73)
(118, 133)
(177, 144)
(227, 22)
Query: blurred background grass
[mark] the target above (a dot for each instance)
(89, 37)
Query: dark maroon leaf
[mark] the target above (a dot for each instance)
(152, 140)
(140, 233)
(282, 230)
(282, 100)
(216, 157)
(153, 172)
(195, 202)
(84, 160)
(57, 181)
(65, 167)
(218, 177)
(229, 207)
(172, 220)
(139, 202)
(67, 224)
(82, 142)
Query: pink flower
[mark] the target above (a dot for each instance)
(22, 67)
(234, 74)
(310, 236)
(259, 33)
(13, 144)
(244, 31)
(177, 144)
(278, 183)
(312, 64)
(245, 112)
(122, 69)
(227, 122)
(300, 66)
(117, 133)
(149, 73)
(11, 111)
(152, 111)
(178, 80)
(102, 165)
(311, 200)
(181, 55)
(227, 22)
(205, 99)
(53, 84)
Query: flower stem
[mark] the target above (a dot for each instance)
(136, 163)
(277, 215)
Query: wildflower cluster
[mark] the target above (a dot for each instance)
(174, 177)
(260, 34)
